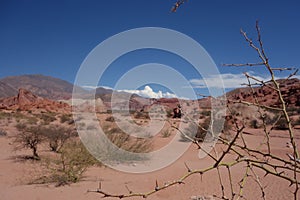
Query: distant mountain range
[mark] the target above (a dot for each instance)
(43, 86)
(57, 89)
(7, 90)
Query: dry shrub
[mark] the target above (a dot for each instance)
(296, 122)
(47, 118)
(66, 118)
(166, 133)
(29, 137)
(69, 165)
(57, 136)
(126, 142)
(3, 132)
(141, 115)
(281, 124)
(196, 131)
(110, 119)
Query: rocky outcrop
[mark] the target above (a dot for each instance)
(27, 101)
(290, 90)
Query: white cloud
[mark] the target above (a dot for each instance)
(229, 80)
(106, 87)
(90, 87)
(149, 93)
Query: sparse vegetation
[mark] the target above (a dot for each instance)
(254, 124)
(57, 136)
(68, 166)
(47, 118)
(124, 141)
(296, 122)
(110, 119)
(3, 133)
(141, 115)
(281, 124)
(66, 118)
(206, 113)
(29, 137)
(4, 115)
(166, 133)
(169, 113)
(196, 131)
(236, 151)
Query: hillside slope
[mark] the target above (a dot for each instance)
(44, 86)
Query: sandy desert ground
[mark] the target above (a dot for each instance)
(15, 175)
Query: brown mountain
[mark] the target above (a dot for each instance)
(43, 86)
(26, 100)
(7, 90)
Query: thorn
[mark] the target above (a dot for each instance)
(130, 192)
(181, 182)
(280, 173)
(99, 186)
(189, 170)
(156, 186)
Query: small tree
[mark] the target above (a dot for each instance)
(57, 136)
(29, 137)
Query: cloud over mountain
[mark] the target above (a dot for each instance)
(227, 80)
(149, 93)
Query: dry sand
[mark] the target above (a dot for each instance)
(15, 174)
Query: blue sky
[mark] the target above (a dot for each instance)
(53, 37)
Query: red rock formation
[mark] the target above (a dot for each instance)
(27, 101)
(290, 90)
